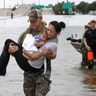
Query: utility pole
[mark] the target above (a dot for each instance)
(4, 4)
(38, 2)
(4, 9)
(22, 1)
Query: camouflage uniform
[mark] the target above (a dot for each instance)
(84, 52)
(84, 56)
(36, 83)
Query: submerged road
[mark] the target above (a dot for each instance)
(67, 77)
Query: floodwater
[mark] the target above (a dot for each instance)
(67, 77)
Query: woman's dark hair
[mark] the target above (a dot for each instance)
(58, 25)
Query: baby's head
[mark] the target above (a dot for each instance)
(43, 35)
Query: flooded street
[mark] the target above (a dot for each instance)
(67, 77)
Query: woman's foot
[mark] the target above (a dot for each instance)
(3, 72)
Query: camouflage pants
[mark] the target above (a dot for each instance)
(36, 84)
(84, 56)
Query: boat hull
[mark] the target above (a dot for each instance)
(76, 45)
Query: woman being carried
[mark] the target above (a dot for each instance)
(26, 60)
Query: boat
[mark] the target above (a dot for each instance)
(76, 43)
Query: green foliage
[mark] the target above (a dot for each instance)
(92, 6)
(60, 10)
(82, 7)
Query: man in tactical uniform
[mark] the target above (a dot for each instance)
(91, 28)
(36, 83)
(84, 62)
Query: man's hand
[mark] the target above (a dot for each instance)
(12, 48)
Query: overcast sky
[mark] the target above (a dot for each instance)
(11, 3)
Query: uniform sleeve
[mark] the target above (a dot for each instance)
(85, 35)
(21, 38)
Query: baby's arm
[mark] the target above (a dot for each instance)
(39, 44)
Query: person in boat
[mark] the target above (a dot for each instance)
(88, 43)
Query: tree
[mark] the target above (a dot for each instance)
(58, 9)
(85, 7)
(92, 6)
(82, 7)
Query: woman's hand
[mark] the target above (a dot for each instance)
(48, 53)
(12, 48)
